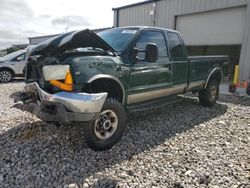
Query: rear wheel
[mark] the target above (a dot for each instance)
(6, 75)
(108, 128)
(209, 96)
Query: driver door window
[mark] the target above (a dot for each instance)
(157, 38)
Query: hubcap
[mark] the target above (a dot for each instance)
(213, 93)
(5, 76)
(106, 124)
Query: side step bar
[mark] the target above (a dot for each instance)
(153, 104)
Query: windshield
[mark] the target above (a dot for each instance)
(118, 38)
(12, 55)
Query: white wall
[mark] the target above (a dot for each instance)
(220, 27)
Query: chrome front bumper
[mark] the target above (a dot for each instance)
(60, 107)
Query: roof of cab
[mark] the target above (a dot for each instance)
(147, 27)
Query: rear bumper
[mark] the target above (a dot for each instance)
(60, 107)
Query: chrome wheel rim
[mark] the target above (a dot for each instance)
(5, 76)
(213, 93)
(106, 124)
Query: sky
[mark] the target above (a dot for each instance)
(20, 19)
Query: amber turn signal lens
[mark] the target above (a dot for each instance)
(67, 85)
(68, 79)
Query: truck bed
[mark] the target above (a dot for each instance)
(200, 66)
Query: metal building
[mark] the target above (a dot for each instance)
(208, 26)
(36, 40)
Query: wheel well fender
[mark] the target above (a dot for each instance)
(215, 74)
(107, 83)
(9, 69)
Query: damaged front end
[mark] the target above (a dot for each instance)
(59, 107)
(49, 93)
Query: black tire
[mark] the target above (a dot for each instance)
(209, 96)
(93, 131)
(6, 75)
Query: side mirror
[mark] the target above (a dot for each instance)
(151, 52)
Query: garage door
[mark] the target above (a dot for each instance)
(222, 27)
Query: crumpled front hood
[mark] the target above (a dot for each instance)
(71, 40)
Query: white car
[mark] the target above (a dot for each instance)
(12, 65)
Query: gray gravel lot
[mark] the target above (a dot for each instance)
(181, 145)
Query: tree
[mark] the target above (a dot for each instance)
(12, 49)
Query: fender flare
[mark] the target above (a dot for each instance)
(8, 68)
(214, 70)
(100, 76)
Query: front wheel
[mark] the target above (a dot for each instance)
(6, 75)
(108, 128)
(209, 96)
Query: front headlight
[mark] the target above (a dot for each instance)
(54, 73)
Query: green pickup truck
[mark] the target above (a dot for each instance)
(82, 76)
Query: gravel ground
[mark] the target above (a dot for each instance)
(181, 145)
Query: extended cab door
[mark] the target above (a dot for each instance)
(179, 61)
(149, 79)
